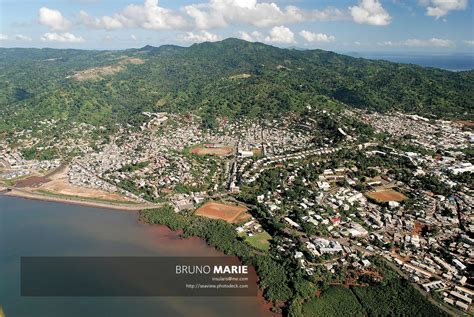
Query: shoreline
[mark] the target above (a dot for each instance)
(163, 235)
(263, 303)
(73, 201)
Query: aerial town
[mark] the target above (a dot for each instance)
(340, 187)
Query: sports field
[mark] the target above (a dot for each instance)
(260, 240)
(386, 196)
(215, 210)
(217, 151)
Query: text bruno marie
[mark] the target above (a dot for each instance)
(214, 269)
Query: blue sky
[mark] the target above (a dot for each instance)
(438, 26)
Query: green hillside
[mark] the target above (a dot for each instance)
(228, 78)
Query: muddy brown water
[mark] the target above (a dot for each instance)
(37, 228)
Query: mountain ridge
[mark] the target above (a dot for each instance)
(229, 78)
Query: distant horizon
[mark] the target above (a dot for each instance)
(184, 45)
(345, 25)
(452, 61)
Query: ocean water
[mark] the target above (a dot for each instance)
(37, 228)
(452, 62)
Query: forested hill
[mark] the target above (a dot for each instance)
(228, 78)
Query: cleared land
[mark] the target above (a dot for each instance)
(466, 123)
(386, 196)
(79, 200)
(59, 184)
(257, 152)
(32, 181)
(134, 60)
(240, 76)
(98, 72)
(218, 151)
(64, 188)
(55, 187)
(215, 210)
(243, 217)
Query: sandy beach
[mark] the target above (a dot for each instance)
(55, 187)
(78, 201)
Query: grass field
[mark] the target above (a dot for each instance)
(335, 301)
(386, 196)
(259, 241)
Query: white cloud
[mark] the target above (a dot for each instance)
(440, 8)
(202, 36)
(255, 36)
(317, 37)
(435, 42)
(104, 22)
(3, 37)
(281, 34)
(148, 15)
(370, 12)
(221, 13)
(246, 36)
(134, 37)
(21, 37)
(469, 42)
(431, 42)
(53, 19)
(62, 37)
(388, 43)
(278, 34)
(108, 38)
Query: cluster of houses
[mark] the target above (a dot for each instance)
(13, 165)
(187, 201)
(429, 134)
(332, 218)
(162, 143)
(429, 239)
(249, 228)
(160, 163)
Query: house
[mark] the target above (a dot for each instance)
(462, 305)
(243, 153)
(298, 255)
(327, 246)
(292, 223)
(323, 185)
(459, 264)
(357, 230)
(183, 204)
(234, 188)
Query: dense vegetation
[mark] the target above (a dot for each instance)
(335, 301)
(229, 78)
(394, 296)
(282, 282)
(221, 235)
